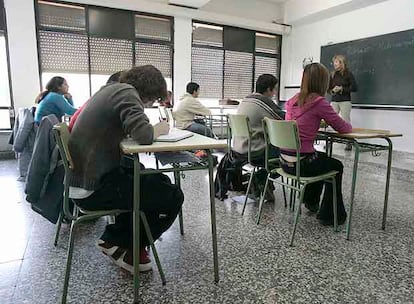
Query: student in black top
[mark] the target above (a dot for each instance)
(341, 84)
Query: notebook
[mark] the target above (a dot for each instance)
(174, 135)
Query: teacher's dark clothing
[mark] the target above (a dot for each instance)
(347, 81)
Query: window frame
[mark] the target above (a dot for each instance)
(3, 32)
(134, 40)
(277, 56)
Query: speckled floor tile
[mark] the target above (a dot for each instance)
(255, 262)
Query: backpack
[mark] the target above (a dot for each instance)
(229, 176)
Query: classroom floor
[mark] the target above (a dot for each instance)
(256, 263)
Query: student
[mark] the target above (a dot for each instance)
(341, 84)
(168, 100)
(114, 78)
(308, 108)
(256, 107)
(55, 100)
(187, 109)
(98, 181)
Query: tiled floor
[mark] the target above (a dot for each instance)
(256, 264)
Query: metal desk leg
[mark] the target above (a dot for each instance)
(177, 181)
(213, 215)
(354, 177)
(387, 183)
(136, 225)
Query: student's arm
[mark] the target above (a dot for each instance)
(64, 106)
(329, 115)
(196, 107)
(130, 109)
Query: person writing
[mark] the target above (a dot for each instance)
(55, 100)
(341, 84)
(308, 108)
(98, 181)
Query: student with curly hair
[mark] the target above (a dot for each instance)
(98, 182)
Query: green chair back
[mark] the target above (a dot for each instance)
(282, 133)
(62, 134)
(239, 126)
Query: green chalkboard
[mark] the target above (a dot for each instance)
(383, 67)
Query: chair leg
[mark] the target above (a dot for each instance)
(335, 204)
(284, 192)
(297, 214)
(154, 250)
(259, 214)
(58, 226)
(69, 261)
(294, 197)
(181, 221)
(292, 192)
(177, 181)
(248, 190)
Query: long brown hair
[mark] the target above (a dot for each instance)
(315, 82)
(342, 59)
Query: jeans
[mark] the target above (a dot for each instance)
(160, 202)
(200, 129)
(318, 164)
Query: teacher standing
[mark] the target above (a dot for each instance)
(341, 84)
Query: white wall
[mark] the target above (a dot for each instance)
(182, 55)
(382, 18)
(24, 67)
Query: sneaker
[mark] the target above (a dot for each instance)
(201, 154)
(126, 261)
(124, 257)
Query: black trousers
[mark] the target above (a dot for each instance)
(160, 201)
(318, 164)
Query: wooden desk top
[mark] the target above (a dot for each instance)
(360, 133)
(195, 142)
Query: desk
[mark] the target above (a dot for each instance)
(354, 139)
(129, 146)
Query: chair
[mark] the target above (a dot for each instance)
(62, 135)
(167, 115)
(239, 126)
(284, 135)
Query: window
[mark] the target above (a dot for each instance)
(5, 96)
(85, 44)
(227, 61)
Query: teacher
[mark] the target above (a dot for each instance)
(341, 84)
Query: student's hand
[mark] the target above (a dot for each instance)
(336, 89)
(161, 128)
(68, 96)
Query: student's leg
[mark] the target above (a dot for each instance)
(112, 195)
(346, 107)
(335, 106)
(200, 129)
(326, 209)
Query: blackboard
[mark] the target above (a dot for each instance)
(383, 67)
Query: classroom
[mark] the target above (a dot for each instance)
(206, 151)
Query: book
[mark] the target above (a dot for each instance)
(174, 135)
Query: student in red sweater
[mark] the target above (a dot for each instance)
(114, 78)
(308, 108)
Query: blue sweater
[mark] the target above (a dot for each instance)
(54, 103)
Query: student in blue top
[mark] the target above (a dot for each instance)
(55, 100)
